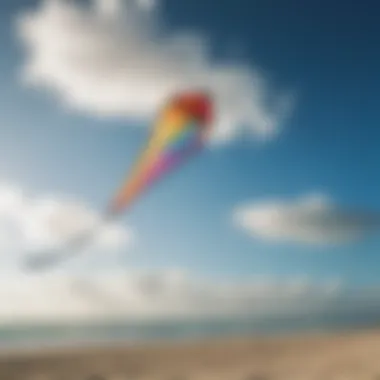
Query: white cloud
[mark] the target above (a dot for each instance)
(115, 58)
(310, 219)
(29, 223)
(176, 295)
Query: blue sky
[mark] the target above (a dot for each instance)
(323, 52)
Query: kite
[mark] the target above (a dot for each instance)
(180, 131)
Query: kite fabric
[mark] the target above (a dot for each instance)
(180, 131)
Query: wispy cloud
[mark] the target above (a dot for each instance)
(31, 223)
(312, 219)
(174, 294)
(116, 58)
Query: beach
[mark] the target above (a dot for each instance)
(344, 355)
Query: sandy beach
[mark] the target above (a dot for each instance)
(354, 355)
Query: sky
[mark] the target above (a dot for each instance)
(285, 195)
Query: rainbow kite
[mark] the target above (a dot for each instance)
(180, 131)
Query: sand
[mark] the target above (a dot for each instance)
(344, 356)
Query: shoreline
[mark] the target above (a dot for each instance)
(54, 348)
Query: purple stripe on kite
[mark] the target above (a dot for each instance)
(179, 138)
(181, 143)
(185, 141)
(165, 163)
(175, 154)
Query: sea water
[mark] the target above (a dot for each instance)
(128, 332)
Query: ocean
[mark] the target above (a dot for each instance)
(130, 332)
